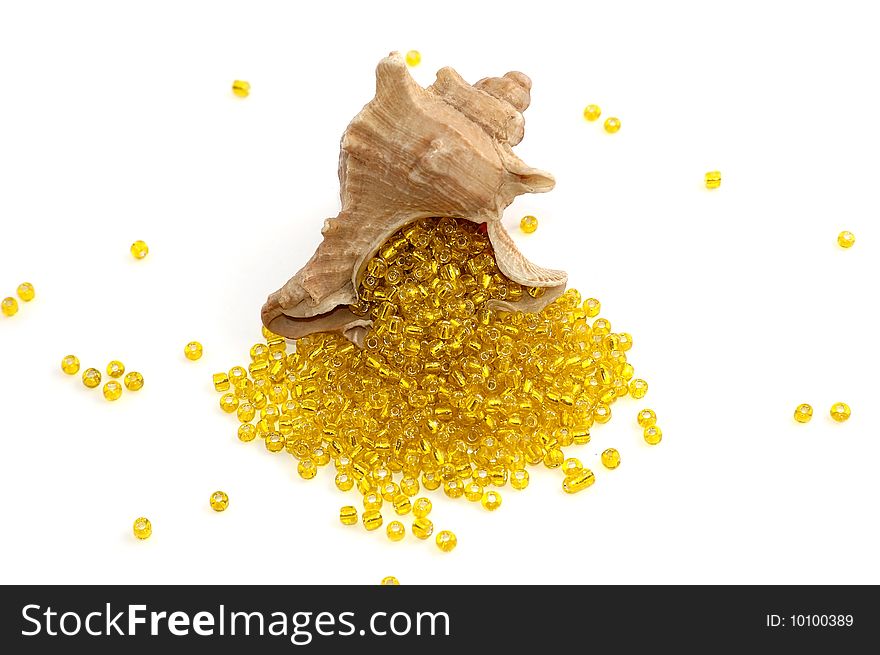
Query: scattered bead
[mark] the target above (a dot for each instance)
(275, 442)
(402, 504)
(610, 458)
(134, 381)
(446, 541)
(247, 432)
(112, 390)
(9, 306)
(193, 350)
(528, 224)
(25, 291)
(592, 307)
(519, 479)
(803, 413)
(348, 515)
(142, 528)
(306, 469)
(413, 58)
(70, 364)
(219, 501)
(638, 389)
(228, 403)
(473, 492)
(612, 125)
(422, 528)
(571, 465)
(372, 501)
(592, 112)
(653, 435)
(241, 88)
(579, 481)
(421, 508)
(713, 179)
(395, 531)
(91, 377)
(491, 500)
(840, 412)
(115, 369)
(221, 382)
(647, 418)
(139, 250)
(343, 481)
(390, 580)
(372, 519)
(846, 239)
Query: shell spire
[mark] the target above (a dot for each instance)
(413, 153)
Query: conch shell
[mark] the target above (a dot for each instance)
(444, 151)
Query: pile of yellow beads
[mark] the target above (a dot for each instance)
(91, 377)
(446, 391)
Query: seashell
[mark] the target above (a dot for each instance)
(413, 152)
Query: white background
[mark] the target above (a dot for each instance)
(117, 123)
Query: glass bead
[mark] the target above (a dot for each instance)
(612, 125)
(610, 458)
(275, 442)
(803, 413)
(713, 179)
(241, 88)
(348, 515)
(221, 382)
(409, 486)
(247, 432)
(421, 507)
(840, 412)
(422, 528)
(390, 491)
(519, 479)
(473, 492)
(139, 250)
(602, 413)
(390, 580)
(193, 350)
(413, 58)
(307, 469)
(638, 388)
(554, 458)
(653, 435)
(344, 481)
(453, 488)
(845, 239)
(372, 519)
(372, 501)
(592, 112)
(219, 501)
(395, 531)
(70, 365)
(528, 224)
(446, 541)
(134, 381)
(571, 465)
(578, 482)
(646, 418)
(25, 291)
(9, 306)
(112, 390)
(91, 377)
(142, 528)
(491, 500)
(431, 481)
(402, 504)
(228, 403)
(115, 369)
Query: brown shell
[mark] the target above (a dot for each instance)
(413, 153)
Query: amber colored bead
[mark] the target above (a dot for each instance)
(344, 481)
(134, 381)
(221, 382)
(601, 413)
(423, 527)
(409, 486)
(571, 465)
(413, 58)
(491, 500)
(70, 365)
(519, 479)
(372, 501)
(142, 528)
(638, 388)
(390, 581)
(246, 412)
(647, 418)
(612, 125)
(453, 488)
(193, 350)
(653, 435)
(274, 442)
(840, 412)
(713, 179)
(219, 501)
(348, 515)
(431, 481)
(473, 492)
(91, 377)
(803, 413)
(446, 541)
(402, 504)
(592, 112)
(610, 458)
(115, 369)
(307, 469)
(25, 291)
(112, 390)
(554, 458)
(421, 507)
(241, 88)
(139, 250)
(9, 306)
(395, 531)
(372, 519)
(228, 403)
(579, 481)
(247, 432)
(845, 239)
(528, 224)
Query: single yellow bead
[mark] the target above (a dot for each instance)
(431, 481)
(491, 500)
(9, 306)
(91, 377)
(653, 435)
(638, 388)
(446, 541)
(840, 412)
(413, 58)
(803, 413)
(372, 501)
(390, 580)
(571, 466)
(274, 442)
(344, 481)
(228, 403)
(247, 432)
(402, 504)
(713, 179)
(219, 501)
(115, 369)
(422, 528)
(592, 112)
(578, 482)
(348, 515)
(193, 350)
(554, 458)
(845, 239)
(519, 479)
(139, 250)
(409, 486)
(307, 469)
(612, 125)
(592, 307)
(134, 381)
(421, 507)
(528, 224)
(453, 488)
(70, 365)
(646, 418)
(112, 390)
(25, 291)
(610, 458)
(241, 88)
(372, 519)
(473, 492)
(221, 382)
(601, 413)
(395, 531)
(142, 528)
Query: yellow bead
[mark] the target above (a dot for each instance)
(219, 501)
(91, 377)
(431, 481)
(372, 519)
(115, 369)
(491, 500)
(519, 479)
(9, 306)
(646, 418)
(372, 501)
(422, 528)
(803, 413)
(247, 432)
(246, 412)
(25, 291)
(845, 239)
(602, 413)
(653, 435)
(528, 224)
(402, 504)
(571, 466)
(142, 528)
(307, 469)
(274, 442)
(610, 458)
(612, 125)
(578, 482)
(453, 488)
(413, 58)
(409, 486)
(241, 88)
(473, 492)
(713, 179)
(221, 382)
(139, 250)
(638, 388)
(344, 481)
(592, 112)
(348, 515)
(112, 390)
(70, 365)
(840, 412)
(390, 580)
(193, 350)
(592, 307)
(554, 458)
(395, 531)
(228, 403)
(446, 541)
(421, 507)
(134, 381)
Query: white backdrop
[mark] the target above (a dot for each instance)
(117, 123)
